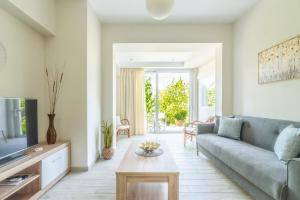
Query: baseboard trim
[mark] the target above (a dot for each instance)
(50, 185)
(84, 169)
(91, 165)
(79, 169)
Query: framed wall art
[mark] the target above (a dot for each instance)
(280, 62)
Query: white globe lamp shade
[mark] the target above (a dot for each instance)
(159, 9)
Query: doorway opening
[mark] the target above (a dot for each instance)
(162, 87)
(167, 94)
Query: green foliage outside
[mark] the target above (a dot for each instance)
(108, 134)
(150, 99)
(174, 100)
(181, 115)
(211, 96)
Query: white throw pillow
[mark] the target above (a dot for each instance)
(287, 145)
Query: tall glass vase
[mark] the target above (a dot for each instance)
(51, 132)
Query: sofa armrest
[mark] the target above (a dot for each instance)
(293, 179)
(205, 128)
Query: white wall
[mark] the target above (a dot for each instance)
(38, 14)
(267, 24)
(77, 45)
(41, 11)
(69, 46)
(206, 77)
(162, 33)
(207, 73)
(23, 75)
(93, 85)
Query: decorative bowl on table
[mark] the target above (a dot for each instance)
(149, 147)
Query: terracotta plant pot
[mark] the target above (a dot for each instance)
(51, 132)
(108, 153)
(179, 122)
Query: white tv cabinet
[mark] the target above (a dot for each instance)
(45, 167)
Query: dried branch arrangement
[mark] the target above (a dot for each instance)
(54, 81)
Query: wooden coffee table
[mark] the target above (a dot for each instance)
(138, 169)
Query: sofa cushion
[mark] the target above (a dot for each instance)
(205, 128)
(287, 145)
(260, 167)
(230, 127)
(217, 124)
(263, 132)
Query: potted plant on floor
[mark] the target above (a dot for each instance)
(180, 117)
(108, 138)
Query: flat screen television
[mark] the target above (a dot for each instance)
(18, 127)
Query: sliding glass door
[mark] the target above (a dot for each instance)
(150, 101)
(167, 95)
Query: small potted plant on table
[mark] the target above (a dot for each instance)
(108, 138)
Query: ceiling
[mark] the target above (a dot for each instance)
(184, 11)
(164, 55)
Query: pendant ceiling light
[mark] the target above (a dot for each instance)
(159, 9)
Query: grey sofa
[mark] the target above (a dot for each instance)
(251, 162)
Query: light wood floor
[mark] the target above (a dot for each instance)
(199, 179)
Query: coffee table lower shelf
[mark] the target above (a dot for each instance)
(124, 178)
(139, 170)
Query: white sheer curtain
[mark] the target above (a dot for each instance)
(132, 101)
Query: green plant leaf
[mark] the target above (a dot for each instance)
(107, 131)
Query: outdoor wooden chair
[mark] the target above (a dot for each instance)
(123, 127)
(190, 131)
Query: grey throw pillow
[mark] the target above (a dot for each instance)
(287, 145)
(204, 128)
(217, 124)
(230, 127)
